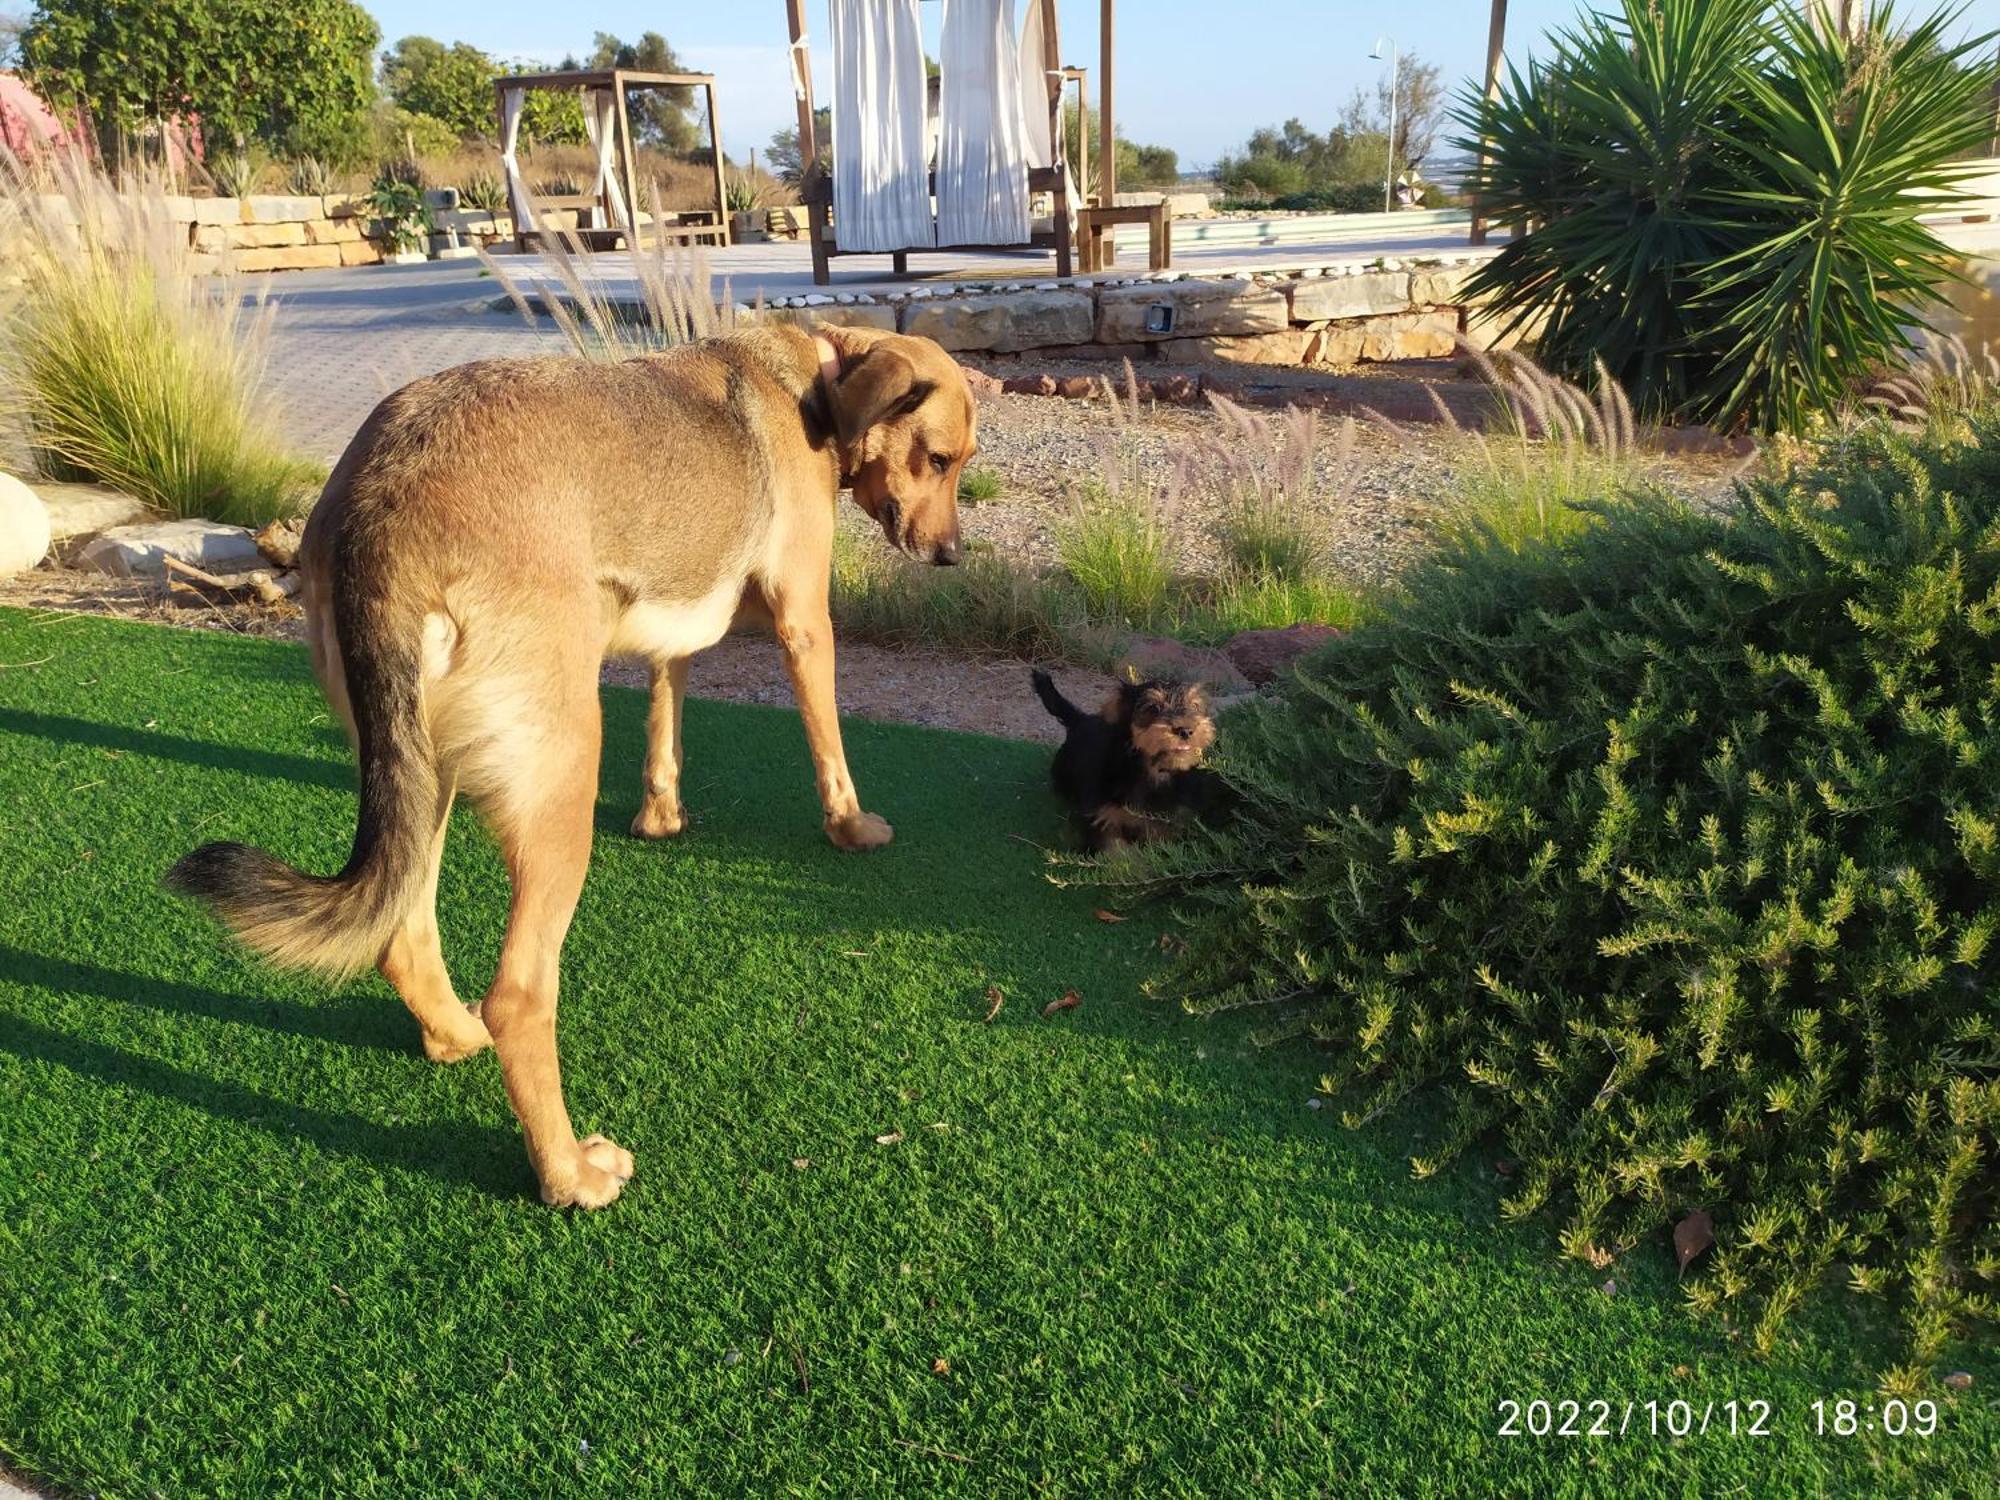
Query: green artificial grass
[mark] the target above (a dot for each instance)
(251, 1242)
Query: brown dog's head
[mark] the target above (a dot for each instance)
(903, 416)
(1169, 723)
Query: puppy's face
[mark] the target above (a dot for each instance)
(1171, 726)
(906, 425)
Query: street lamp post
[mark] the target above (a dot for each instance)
(1395, 82)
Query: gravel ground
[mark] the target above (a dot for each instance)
(1371, 502)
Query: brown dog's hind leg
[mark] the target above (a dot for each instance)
(414, 963)
(806, 633)
(660, 812)
(543, 819)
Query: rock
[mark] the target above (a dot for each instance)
(1003, 322)
(1158, 656)
(1196, 309)
(1177, 390)
(1286, 348)
(24, 527)
(1351, 296)
(1261, 655)
(980, 383)
(1029, 385)
(270, 209)
(78, 512)
(1441, 288)
(279, 541)
(142, 551)
(1076, 387)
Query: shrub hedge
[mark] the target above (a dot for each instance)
(1669, 854)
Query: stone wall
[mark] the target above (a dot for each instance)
(1336, 316)
(270, 232)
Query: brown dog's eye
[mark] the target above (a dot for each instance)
(941, 462)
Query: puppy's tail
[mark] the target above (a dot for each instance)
(340, 924)
(1066, 712)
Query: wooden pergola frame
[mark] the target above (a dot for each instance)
(622, 82)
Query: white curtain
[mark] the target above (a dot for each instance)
(1035, 90)
(519, 200)
(982, 171)
(600, 123)
(881, 195)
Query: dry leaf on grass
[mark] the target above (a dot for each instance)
(1106, 916)
(801, 1162)
(893, 1138)
(1693, 1235)
(1959, 1380)
(940, 1367)
(1070, 1001)
(994, 1000)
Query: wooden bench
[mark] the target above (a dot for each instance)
(1095, 226)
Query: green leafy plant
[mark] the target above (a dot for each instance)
(404, 215)
(1664, 852)
(121, 364)
(1723, 199)
(740, 193)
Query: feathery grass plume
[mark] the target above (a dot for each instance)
(1554, 450)
(676, 303)
(121, 362)
(1943, 382)
(1266, 470)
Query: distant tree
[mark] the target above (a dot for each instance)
(453, 85)
(781, 157)
(1420, 109)
(664, 118)
(289, 74)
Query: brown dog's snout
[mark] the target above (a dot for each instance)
(945, 553)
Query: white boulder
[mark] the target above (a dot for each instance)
(142, 551)
(24, 527)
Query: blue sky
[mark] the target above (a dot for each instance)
(1197, 75)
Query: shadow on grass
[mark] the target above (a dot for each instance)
(63, 730)
(480, 1157)
(359, 1021)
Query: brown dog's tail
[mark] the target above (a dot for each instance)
(340, 924)
(1066, 712)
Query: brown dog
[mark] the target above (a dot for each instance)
(490, 535)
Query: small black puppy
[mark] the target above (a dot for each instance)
(1132, 770)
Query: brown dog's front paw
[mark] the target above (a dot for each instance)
(659, 819)
(859, 831)
(599, 1173)
(458, 1041)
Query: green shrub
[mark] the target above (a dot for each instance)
(485, 191)
(984, 605)
(1668, 853)
(122, 365)
(1343, 198)
(238, 174)
(312, 177)
(977, 486)
(1722, 199)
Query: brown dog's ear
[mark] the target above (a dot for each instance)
(880, 385)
